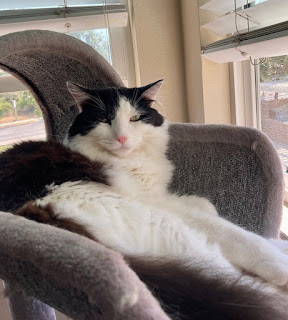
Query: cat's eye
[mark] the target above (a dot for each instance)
(135, 118)
(103, 120)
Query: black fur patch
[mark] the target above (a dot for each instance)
(27, 168)
(149, 114)
(103, 104)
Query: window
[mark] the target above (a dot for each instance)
(20, 118)
(261, 101)
(252, 35)
(236, 30)
(272, 81)
(100, 23)
(98, 39)
(273, 103)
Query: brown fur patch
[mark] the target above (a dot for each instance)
(47, 215)
(27, 168)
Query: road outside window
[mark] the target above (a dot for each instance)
(273, 97)
(20, 119)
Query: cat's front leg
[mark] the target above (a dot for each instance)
(203, 204)
(186, 204)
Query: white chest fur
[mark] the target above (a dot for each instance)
(141, 173)
(146, 169)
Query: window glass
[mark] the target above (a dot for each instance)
(97, 39)
(273, 100)
(259, 1)
(20, 119)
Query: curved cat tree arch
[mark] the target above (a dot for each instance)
(43, 61)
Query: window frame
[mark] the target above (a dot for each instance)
(120, 46)
(244, 94)
(245, 102)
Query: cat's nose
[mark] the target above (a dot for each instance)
(122, 139)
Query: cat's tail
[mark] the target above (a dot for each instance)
(198, 292)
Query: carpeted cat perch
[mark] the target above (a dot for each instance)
(238, 169)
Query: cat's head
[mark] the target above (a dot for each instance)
(115, 119)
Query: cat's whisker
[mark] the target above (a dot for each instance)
(100, 101)
(139, 99)
(93, 105)
(134, 96)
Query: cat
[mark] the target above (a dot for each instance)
(109, 181)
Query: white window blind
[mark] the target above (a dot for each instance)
(221, 7)
(257, 29)
(100, 23)
(54, 15)
(20, 4)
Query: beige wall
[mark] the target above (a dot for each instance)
(216, 80)
(160, 52)
(194, 90)
(216, 92)
(193, 66)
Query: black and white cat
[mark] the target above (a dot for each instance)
(110, 184)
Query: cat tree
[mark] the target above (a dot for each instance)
(238, 169)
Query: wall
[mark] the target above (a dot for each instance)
(193, 66)
(195, 89)
(216, 92)
(216, 80)
(160, 52)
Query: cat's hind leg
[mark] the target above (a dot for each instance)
(282, 245)
(242, 248)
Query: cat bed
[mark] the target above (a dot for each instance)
(238, 169)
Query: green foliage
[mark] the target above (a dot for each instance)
(5, 108)
(97, 39)
(25, 103)
(274, 68)
(4, 148)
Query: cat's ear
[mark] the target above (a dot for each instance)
(150, 91)
(79, 94)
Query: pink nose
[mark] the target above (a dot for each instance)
(122, 139)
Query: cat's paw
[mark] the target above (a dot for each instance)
(274, 271)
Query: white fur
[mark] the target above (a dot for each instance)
(137, 216)
(136, 164)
